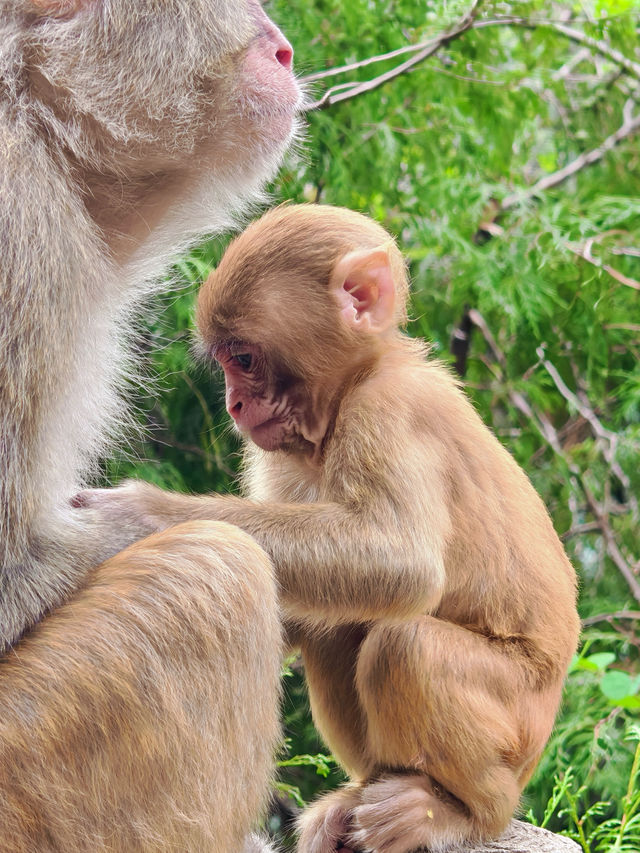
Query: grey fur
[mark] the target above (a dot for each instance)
(99, 111)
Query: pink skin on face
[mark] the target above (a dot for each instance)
(268, 65)
(262, 419)
(280, 47)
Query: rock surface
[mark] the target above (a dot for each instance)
(521, 837)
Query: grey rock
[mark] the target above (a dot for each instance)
(521, 837)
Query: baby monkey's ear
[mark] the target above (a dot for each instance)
(362, 283)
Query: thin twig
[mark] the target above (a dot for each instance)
(518, 400)
(580, 530)
(612, 271)
(362, 63)
(331, 96)
(611, 545)
(629, 126)
(607, 438)
(586, 253)
(629, 251)
(478, 320)
(629, 327)
(578, 36)
(573, 61)
(587, 413)
(611, 617)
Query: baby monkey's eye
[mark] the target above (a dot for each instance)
(243, 360)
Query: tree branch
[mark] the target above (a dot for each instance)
(611, 545)
(629, 126)
(585, 254)
(424, 50)
(337, 94)
(539, 420)
(608, 439)
(631, 615)
(580, 530)
(362, 63)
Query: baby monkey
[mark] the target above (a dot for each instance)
(419, 571)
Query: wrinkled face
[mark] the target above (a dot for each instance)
(268, 405)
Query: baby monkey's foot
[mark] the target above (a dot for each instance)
(325, 826)
(402, 814)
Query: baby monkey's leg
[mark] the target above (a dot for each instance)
(330, 660)
(455, 729)
(452, 731)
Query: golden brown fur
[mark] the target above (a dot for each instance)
(418, 569)
(142, 714)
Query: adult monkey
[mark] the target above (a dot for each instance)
(127, 128)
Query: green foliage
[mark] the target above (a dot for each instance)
(588, 823)
(553, 366)
(588, 750)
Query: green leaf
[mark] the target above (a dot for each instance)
(616, 685)
(320, 761)
(290, 791)
(596, 662)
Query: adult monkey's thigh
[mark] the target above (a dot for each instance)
(142, 716)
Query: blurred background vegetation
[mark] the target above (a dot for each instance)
(505, 162)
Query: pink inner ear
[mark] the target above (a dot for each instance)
(359, 293)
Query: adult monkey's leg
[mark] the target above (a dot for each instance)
(142, 714)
